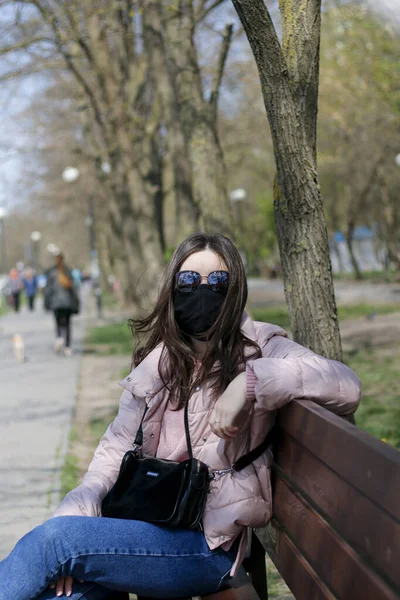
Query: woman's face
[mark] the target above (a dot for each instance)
(197, 309)
(204, 262)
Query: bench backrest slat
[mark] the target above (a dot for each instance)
(336, 508)
(293, 567)
(367, 463)
(335, 562)
(362, 524)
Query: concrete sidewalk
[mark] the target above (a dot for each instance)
(37, 399)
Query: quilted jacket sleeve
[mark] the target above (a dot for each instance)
(103, 470)
(288, 371)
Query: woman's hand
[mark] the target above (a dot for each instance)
(63, 585)
(228, 407)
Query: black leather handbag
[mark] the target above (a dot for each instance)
(166, 492)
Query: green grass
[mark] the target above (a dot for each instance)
(377, 368)
(115, 338)
(98, 427)
(355, 311)
(109, 300)
(376, 276)
(379, 412)
(276, 585)
(279, 314)
(123, 373)
(4, 308)
(69, 476)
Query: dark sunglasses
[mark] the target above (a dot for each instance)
(188, 281)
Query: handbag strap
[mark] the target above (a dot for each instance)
(139, 434)
(240, 464)
(247, 459)
(187, 432)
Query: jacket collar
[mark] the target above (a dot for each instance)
(144, 380)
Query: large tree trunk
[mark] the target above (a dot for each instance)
(186, 211)
(196, 116)
(289, 80)
(127, 95)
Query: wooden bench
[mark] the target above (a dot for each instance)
(335, 532)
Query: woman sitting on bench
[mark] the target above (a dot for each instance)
(201, 350)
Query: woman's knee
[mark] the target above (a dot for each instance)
(54, 528)
(50, 535)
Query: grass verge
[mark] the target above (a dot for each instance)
(277, 587)
(375, 276)
(279, 314)
(3, 306)
(379, 412)
(115, 338)
(69, 476)
(97, 427)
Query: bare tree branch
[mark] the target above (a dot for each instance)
(31, 70)
(205, 10)
(51, 20)
(82, 43)
(267, 51)
(25, 44)
(223, 55)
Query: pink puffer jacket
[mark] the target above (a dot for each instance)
(285, 371)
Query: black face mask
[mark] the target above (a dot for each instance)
(197, 311)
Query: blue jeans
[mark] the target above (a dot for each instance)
(112, 554)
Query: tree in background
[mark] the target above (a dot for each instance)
(132, 116)
(358, 117)
(357, 130)
(357, 139)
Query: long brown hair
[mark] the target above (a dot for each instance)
(225, 356)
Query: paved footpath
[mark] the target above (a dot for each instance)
(37, 400)
(269, 292)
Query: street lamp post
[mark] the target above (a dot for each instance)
(36, 236)
(4, 261)
(70, 175)
(238, 197)
(53, 249)
(89, 222)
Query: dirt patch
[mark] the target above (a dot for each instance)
(97, 403)
(378, 331)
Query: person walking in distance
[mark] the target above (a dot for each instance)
(15, 286)
(61, 297)
(30, 284)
